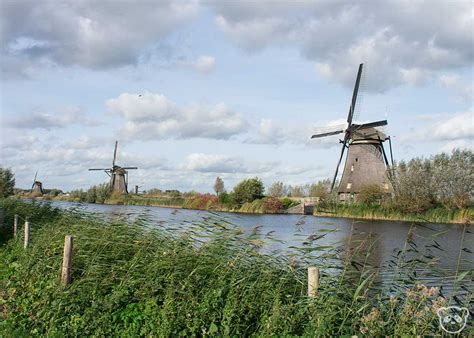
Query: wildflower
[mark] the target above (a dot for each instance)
(364, 330)
(393, 300)
(437, 304)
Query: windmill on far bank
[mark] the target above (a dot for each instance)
(118, 175)
(37, 186)
(366, 162)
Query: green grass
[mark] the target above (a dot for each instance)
(378, 212)
(205, 278)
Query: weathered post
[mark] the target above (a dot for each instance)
(15, 226)
(27, 234)
(313, 281)
(67, 261)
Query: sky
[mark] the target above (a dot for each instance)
(194, 90)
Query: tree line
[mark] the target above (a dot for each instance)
(419, 184)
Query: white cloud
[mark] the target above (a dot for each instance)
(217, 163)
(60, 118)
(457, 144)
(152, 116)
(279, 132)
(454, 127)
(456, 84)
(401, 41)
(204, 64)
(88, 33)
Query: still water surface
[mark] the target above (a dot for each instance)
(451, 244)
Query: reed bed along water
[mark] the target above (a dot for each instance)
(206, 278)
(379, 212)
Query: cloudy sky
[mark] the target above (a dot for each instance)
(194, 90)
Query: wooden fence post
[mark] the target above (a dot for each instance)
(313, 281)
(27, 234)
(67, 261)
(15, 226)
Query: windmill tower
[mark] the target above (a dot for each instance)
(118, 175)
(37, 186)
(366, 162)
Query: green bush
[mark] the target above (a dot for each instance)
(248, 190)
(7, 182)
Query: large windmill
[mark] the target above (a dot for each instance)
(118, 175)
(37, 186)
(366, 162)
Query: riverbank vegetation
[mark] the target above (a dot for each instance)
(206, 278)
(435, 189)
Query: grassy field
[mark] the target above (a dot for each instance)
(198, 279)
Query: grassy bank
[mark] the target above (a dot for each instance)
(378, 212)
(199, 279)
(265, 205)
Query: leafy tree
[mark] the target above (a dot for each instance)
(321, 189)
(297, 191)
(102, 192)
(413, 186)
(7, 182)
(219, 185)
(227, 199)
(453, 178)
(278, 189)
(248, 190)
(371, 194)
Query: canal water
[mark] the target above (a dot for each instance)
(444, 251)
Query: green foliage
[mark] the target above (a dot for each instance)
(248, 190)
(321, 189)
(131, 280)
(453, 178)
(443, 179)
(297, 190)
(272, 205)
(371, 194)
(278, 189)
(288, 203)
(7, 182)
(219, 185)
(254, 207)
(95, 194)
(227, 199)
(201, 202)
(53, 192)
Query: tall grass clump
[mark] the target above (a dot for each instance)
(201, 278)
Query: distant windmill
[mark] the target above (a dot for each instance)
(118, 175)
(37, 186)
(366, 163)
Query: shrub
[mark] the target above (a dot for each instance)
(288, 203)
(248, 190)
(7, 182)
(272, 205)
(371, 194)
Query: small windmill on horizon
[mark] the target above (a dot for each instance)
(118, 175)
(37, 186)
(366, 162)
